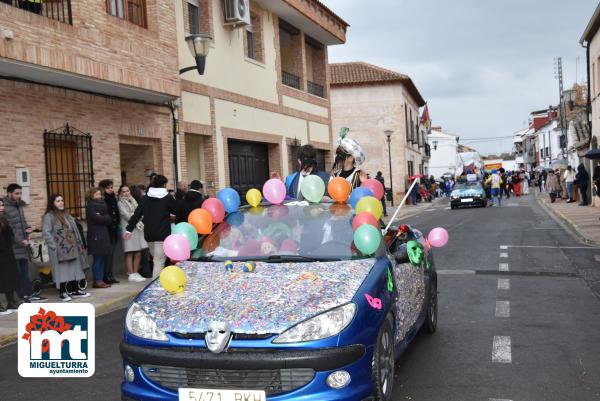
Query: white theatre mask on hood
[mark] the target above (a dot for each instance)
(217, 337)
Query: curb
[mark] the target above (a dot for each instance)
(101, 310)
(567, 224)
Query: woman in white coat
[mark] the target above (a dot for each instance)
(134, 246)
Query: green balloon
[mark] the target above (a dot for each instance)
(189, 232)
(367, 239)
(312, 188)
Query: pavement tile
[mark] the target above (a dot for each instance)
(584, 219)
(104, 300)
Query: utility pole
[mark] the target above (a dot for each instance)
(558, 74)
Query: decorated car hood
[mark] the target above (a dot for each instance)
(270, 300)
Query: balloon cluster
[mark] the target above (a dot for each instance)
(368, 210)
(184, 238)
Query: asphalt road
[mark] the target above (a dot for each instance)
(528, 333)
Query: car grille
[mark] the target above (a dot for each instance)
(273, 381)
(236, 336)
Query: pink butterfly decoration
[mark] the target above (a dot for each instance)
(374, 302)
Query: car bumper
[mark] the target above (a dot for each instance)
(355, 359)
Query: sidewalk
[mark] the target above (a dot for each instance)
(104, 300)
(584, 220)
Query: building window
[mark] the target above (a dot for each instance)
(133, 11)
(411, 169)
(547, 152)
(69, 167)
(315, 67)
(290, 50)
(406, 123)
(193, 9)
(254, 42)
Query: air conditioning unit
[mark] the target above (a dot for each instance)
(236, 12)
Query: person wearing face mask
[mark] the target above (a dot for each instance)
(307, 161)
(348, 157)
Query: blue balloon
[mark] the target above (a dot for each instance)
(230, 199)
(357, 194)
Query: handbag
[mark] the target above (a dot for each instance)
(38, 251)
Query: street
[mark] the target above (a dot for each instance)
(528, 333)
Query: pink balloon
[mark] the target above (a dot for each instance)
(215, 208)
(177, 247)
(364, 218)
(274, 191)
(438, 237)
(375, 187)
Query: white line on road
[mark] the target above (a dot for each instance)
(503, 267)
(454, 272)
(447, 208)
(502, 308)
(546, 247)
(503, 255)
(498, 399)
(430, 210)
(504, 284)
(501, 351)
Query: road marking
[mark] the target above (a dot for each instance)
(501, 352)
(503, 255)
(499, 399)
(503, 267)
(504, 284)
(447, 208)
(502, 308)
(547, 247)
(455, 272)
(430, 210)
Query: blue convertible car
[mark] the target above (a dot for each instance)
(309, 318)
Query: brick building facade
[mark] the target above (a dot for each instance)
(106, 74)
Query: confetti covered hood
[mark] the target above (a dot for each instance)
(270, 300)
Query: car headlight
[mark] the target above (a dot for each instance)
(141, 325)
(321, 326)
(478, 195)
(455, 196)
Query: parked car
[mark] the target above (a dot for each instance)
(314, 320)
(469, 193)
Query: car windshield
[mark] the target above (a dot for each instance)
(292, 232)
(468, 185)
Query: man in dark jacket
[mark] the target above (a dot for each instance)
(582, 179)
(113, 230)
(193, 200)
(156, 209)
(15, 216)
(307, 161)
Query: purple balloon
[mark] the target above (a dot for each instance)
(438, 237)
(177, 247)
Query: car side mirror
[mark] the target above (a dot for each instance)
(401, 255)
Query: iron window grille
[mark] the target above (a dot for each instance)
(290, 79)
(59, 10)
(69, 166)
(315, 89)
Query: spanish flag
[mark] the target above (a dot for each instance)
(425, 120)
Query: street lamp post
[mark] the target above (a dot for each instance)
(199, 45)
(388, 133)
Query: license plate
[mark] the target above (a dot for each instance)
(194, 394)
(465, 200)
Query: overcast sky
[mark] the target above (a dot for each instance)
(482, 66)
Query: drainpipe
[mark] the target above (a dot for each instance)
(175, 124)
(588, 110)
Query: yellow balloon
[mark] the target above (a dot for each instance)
(254, 197)
(173, 279)
(371, 205)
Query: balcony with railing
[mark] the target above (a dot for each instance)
(59, 10)
(290, 79)
(315, 89)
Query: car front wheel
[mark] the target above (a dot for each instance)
(430, 324)
(383, 362)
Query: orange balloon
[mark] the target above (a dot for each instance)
(201, 220)
(338, 189)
